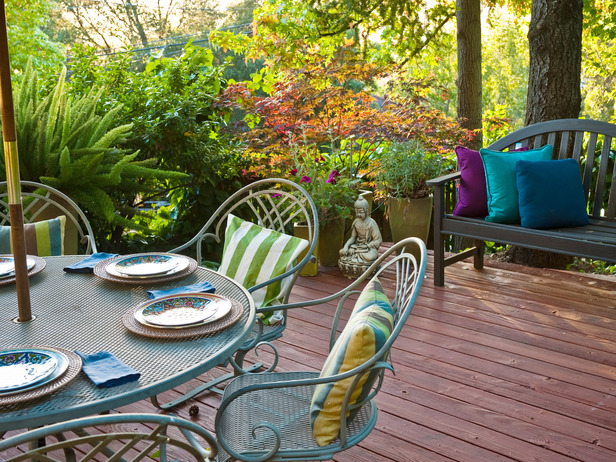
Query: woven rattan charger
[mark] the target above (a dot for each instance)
(101, 271)
(39, 265)
(73, 369)
(191, 331)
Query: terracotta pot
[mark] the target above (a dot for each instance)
(312, 267)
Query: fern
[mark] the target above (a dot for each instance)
(65, 144)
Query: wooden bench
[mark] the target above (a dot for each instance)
(592, 144)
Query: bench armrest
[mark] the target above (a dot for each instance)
(442, 180)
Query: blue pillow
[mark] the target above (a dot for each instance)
(551, 194)
(501, 185)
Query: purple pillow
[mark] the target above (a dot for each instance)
(472, 194)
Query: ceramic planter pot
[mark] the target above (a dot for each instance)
(312, 267)
(331, 240)
(410, 218)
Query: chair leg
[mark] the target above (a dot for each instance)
(212, 385)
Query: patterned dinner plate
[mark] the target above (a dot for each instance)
(62, 365)
(183, 310)
(147, 265)
(19, 369)
(7, 266)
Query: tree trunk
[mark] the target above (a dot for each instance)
(468, 15)
(555, 46)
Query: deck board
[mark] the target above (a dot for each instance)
(508, 363)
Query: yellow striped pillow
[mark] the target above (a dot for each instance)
(366, 332)
(43, 238)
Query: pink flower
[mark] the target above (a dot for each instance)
(306, 179)
(293, 171)
(332, 176)
(276, 195)
(319, 159)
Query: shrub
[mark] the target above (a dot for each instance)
(176, 121)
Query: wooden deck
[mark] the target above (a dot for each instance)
(507, 363)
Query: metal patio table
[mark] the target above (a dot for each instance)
(84, 312)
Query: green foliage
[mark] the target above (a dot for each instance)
(505, 70)
(586, 265)
(176, 118)
(332, 193)
(27, 40)
(63, 143)
(598, 63)
(404, 168)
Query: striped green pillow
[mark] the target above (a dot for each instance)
(367, 330)
(253, 254)
(43, 238)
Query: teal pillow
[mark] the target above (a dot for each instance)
(43, 238)
(252, 255)
(367, 330)
(501, 184)
(551, 194)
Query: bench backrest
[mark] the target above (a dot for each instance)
(590, 142)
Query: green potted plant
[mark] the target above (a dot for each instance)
(400, 175)
(332, 193)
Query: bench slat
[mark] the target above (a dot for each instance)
(601, 176)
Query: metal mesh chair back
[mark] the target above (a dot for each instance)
(42, 202)
(113, 437)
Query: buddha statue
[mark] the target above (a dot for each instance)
(361, 250)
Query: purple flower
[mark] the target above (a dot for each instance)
(293, 171)
(306, 179)
(332, 176)
(276, 195)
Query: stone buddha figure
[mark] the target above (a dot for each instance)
(361, 250)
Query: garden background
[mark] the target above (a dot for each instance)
(149, 114)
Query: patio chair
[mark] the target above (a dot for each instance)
(113, 437)
(46, 206)
(310, 416)
(273, 205)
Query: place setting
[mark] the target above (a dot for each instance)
(27, 373)
(145, 268)
(183, 312)
(34, 264)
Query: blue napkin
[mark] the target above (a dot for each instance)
(200, 287)
(87, 264)
(105, 370)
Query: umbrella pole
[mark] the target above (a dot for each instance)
(11, 159)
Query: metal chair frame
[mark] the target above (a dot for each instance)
(37, 198)
(113, 437)
(275, 204)
(265, 417)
